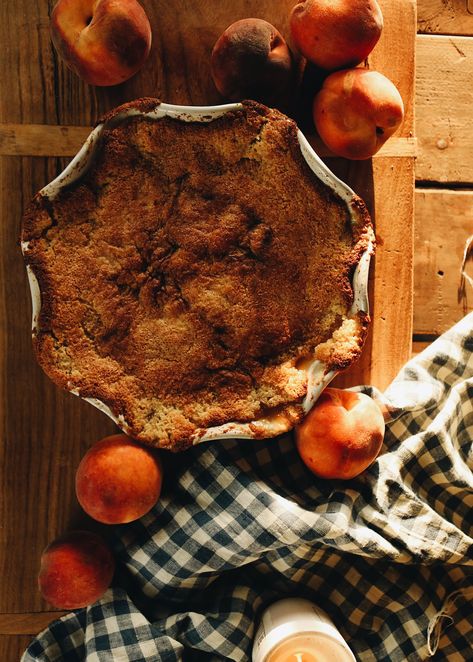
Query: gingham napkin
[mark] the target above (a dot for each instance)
(388, 555)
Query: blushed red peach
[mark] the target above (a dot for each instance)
(251, 60)
(342, 434)
(104, 42)
(356, 111)
(118, 480)
(76, 569)
(335, 34)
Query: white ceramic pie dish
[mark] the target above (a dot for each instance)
(318, 375)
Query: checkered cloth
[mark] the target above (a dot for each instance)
(389, 555)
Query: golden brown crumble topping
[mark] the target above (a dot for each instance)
(189, 272)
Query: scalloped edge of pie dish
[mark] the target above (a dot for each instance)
(318, 375)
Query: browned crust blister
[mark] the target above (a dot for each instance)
(188, 275)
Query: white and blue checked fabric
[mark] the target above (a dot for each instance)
(389, 555)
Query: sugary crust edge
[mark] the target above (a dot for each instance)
(143, 105)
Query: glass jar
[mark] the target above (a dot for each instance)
(295, 630)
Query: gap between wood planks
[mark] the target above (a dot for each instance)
(423, 185)
(52, 140)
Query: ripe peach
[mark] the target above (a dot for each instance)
(356, 111)
(76, 569)
(335, 34)
(342, 434)
(104, 42)
(251, 60)
(118, 480)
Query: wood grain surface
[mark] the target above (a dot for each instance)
(444, 224)
(11, 646)
(445, 17)
(51, 140)
(27, 624)
(444, 100)
(45, 112)
(444, 166)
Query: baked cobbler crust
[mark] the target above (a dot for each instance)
(189, 275)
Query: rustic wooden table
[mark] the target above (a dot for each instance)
(46, 112)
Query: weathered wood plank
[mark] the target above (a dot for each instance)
(41, 139)
(389, 191)
(441, 17)
(53, 140)
(27, 623)
(444, 98)
(444, 221)
(13, 646)
(392, 319)
(389, 343)
(27, 64)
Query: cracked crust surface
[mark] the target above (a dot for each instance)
(191, 272)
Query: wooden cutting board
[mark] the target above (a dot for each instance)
(45, 113)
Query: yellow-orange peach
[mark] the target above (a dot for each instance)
(251, 60)
(104, 42)
(335, 34)
(76, 569)
(342, 434)
(118, 480)
(356, 111)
